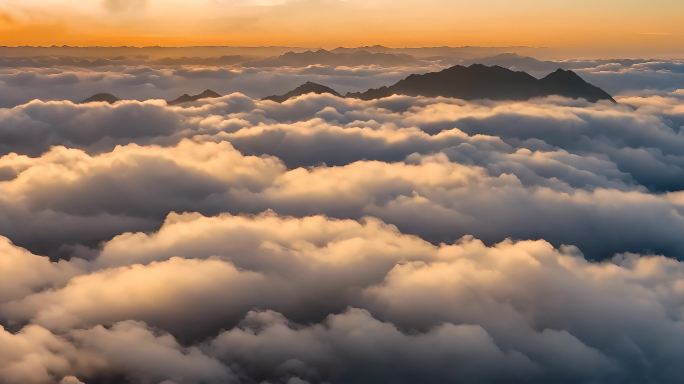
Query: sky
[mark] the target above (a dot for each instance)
(610, 26)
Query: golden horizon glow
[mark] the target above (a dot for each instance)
(611, 26)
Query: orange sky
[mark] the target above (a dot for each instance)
(611, 26)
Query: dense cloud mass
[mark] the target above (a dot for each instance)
(315, 299)
(609, 175)
(334, 240)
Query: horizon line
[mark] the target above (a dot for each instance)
(273, 46)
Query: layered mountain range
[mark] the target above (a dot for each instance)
(335, 58)
(476, 81)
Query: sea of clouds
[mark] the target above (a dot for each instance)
(331, 240)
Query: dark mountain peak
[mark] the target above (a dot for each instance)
(185, 98)
(208, 94)
(479, 81)
(568, 83)
(311, 84)
(101, 97)
(311, 87)
(563, 74)
(306, 88)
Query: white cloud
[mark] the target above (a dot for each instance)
(327, 300)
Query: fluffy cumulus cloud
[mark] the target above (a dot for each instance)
(333, 240)
(630, 76)
(74, 176)
(271, 298)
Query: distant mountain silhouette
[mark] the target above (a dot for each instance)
(101, 97)
(516, 62)
(323, 57)
(185, 98)
(451, 53)
(496, 83)
(303, 89)
(536, 67)
(221, 60)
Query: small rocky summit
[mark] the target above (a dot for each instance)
(185, 98)
(101, 98)
(306, 88)
(570, 84)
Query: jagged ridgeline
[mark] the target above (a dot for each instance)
(473, 82)
(185, 98)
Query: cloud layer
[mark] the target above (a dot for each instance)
(331, 240)
(243, 299)
(478, 168)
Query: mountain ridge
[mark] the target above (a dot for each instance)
(479, 81)
(185, 98)
(476, 81)
(306, 88)
(336, 58)
(102, 97)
